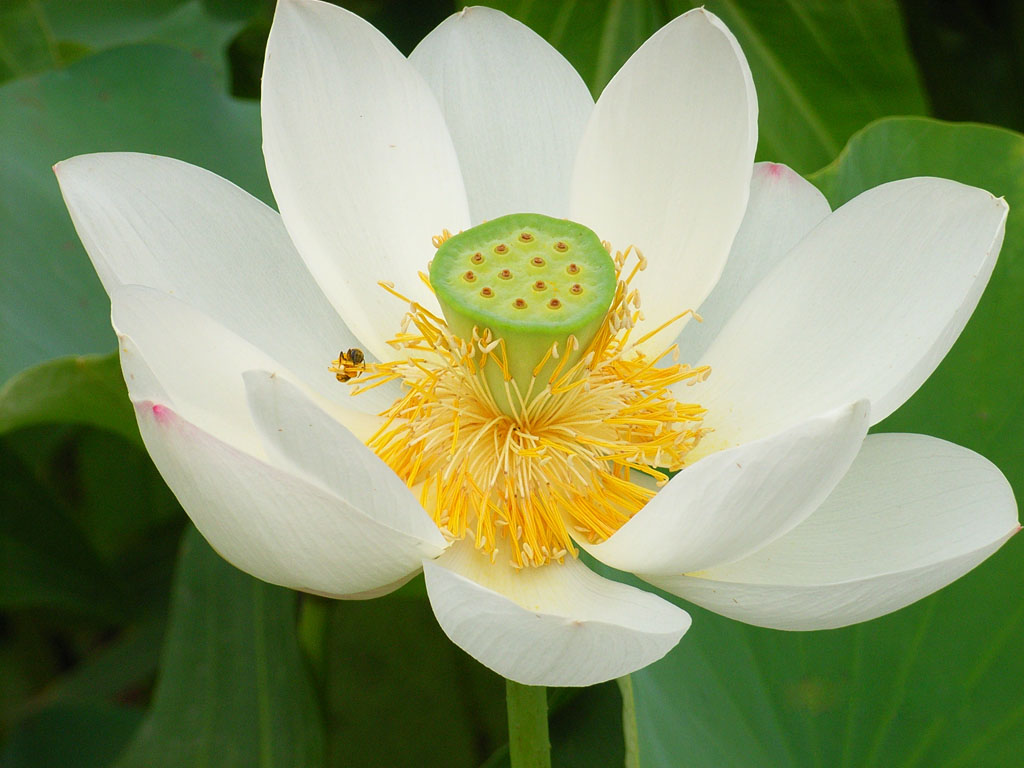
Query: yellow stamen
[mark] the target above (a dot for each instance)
(560, 464)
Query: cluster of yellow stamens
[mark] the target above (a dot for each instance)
(523, 485)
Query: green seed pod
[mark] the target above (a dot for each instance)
(531, 280)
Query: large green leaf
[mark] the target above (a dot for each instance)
(83, 735)
(130, 516)
(233, 688)
(971, 59)
(390, 656)
(822, 70)
(112, 672)
(25, 47)
(140, 98)
(85, 509)
(937, 684)
(45, 558)
(88, 534)
(69, 390)
(36, 35)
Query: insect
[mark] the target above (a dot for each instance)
(349, 364)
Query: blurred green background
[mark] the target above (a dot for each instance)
(124, 641)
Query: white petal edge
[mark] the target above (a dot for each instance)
(736, 501)
(139, 378)
(515, 109)
(299, 435)
(666, 159)
(556, 625)
(199, 365)
(865, 306)
(158, 222)
(360, 161)
(271, 523)
(913, 514)
(783, 207)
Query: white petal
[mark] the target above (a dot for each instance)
(142, 383)
(913, 514)
(666, 159)
(153, 221)
(360, 161)
(300, 436)
(865, 306)
(515, 108)
(199, 364)
(782, 209)
(554, 625)
(272, 523)
(735, 501)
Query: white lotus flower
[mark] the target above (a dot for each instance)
(819, 325)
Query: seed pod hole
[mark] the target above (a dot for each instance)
(487, 292)
(540, 285)
(505, 274)
(470, 276)
(501, 248)
(561, 246)
(537, 261)
(554, 304)
(576, 289)
(477, 258)
(519, 303)
(526, 237)
(573, 269)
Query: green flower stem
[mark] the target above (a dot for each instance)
(528, 742)
(629, 731)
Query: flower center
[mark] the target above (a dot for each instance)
(530, 417)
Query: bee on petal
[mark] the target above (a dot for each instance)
(350, 363)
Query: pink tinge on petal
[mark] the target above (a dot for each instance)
(161, 413)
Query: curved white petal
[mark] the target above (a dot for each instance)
(360, 162)
(554, 625)
(300, 436)
(139, 378)
(272, 523)
(865, 306)
(735, 501)
(515, 109)
(199, 365)
(666, 158)
(162, 223)
(913, 514)
(782, 209)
